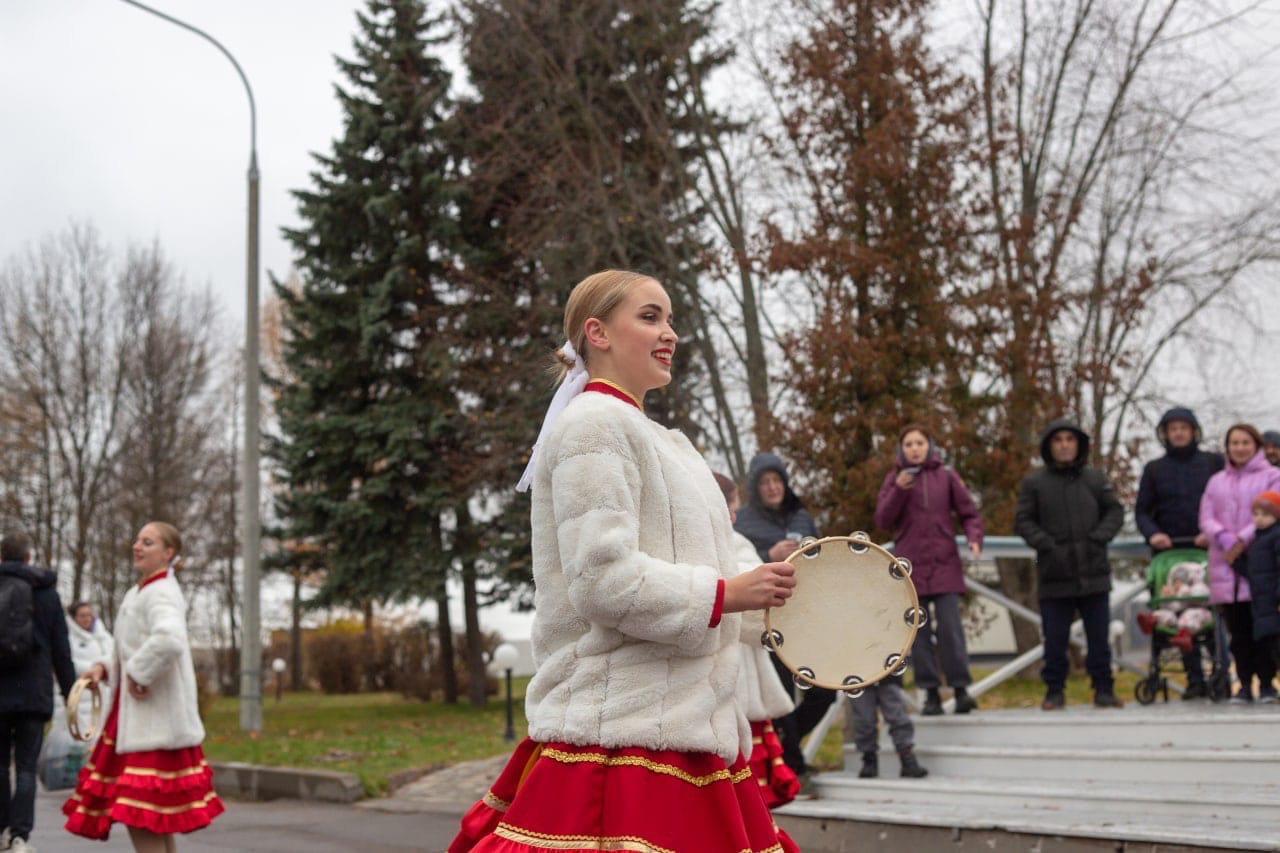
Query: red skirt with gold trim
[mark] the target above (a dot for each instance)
(778, 782)
(162, 790)
(556, 796)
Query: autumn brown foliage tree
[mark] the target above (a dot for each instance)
(876, 134)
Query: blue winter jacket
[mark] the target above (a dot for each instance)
(1264, 578)
(766, 527)
(1171, 487)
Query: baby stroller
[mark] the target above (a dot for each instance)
(1181, 621)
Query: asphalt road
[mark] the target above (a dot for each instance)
(280, 826)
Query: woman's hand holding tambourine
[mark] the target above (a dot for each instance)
(85, 682)
(851, 617)
(767, 585)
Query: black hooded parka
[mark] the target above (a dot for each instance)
(1068, 514)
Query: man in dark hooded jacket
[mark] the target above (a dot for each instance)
(775, 521)
(1068, 513)
(1167, 511)
(26, 690)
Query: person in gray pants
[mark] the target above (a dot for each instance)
(888, 699)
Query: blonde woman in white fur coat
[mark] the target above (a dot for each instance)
(90, 643)
(636, 740)
(147, 769)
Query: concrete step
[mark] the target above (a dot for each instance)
(1196, 724)
(1111, 765)
(1177, 801)
(849, 824)
(1082, 764)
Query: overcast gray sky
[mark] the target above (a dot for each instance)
(116, 117)
(112, 116)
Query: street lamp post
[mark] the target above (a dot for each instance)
(504, 658)
(251, 642)
(278, 666)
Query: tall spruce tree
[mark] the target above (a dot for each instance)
(581, 157)
(369, 417)
(582, 150)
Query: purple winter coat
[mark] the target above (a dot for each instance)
(924, 531)
(1226, 515)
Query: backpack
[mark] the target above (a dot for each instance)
(17, 616)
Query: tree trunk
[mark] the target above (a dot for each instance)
(477, 676)
(448, 675)
(295, 635)
(367, 646)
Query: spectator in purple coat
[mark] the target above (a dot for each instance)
(919, 501)
(1226, 517)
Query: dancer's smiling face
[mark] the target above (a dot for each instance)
(633, 347)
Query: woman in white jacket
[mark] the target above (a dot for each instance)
(635, 738)
(90, 643)
(147, 769)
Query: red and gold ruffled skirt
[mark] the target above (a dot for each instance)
(162, 790)
(778, 782)
(556, 796)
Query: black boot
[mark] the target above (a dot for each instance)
(964, 702)
(870, 766)
(932, 703)
(911, 768)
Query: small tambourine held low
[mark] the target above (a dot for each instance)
(95, 709)
(851, 618)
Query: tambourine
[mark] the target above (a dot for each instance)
(852, 617)
(95, 709)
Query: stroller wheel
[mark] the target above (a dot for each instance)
(1145, 690)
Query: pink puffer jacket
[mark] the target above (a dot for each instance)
(1226, 516)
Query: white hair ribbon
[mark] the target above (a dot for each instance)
(574, 381)
(172, 564)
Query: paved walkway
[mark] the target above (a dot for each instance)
(452, 790)
(422, 816)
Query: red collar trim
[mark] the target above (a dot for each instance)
(604, 386)
(152, 578)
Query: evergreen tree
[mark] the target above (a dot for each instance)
(369, 406)
(581, 141)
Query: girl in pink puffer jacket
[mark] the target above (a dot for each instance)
(1226, 518)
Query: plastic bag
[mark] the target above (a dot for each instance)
(61, 757)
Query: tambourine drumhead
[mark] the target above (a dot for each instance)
(95, 709)
(851, 618)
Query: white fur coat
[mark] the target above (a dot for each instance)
(88, 648)
(630, 536)
(152, 648)
(760, 693)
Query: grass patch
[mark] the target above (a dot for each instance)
(371, 734)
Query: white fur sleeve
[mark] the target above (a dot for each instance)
(596, 494)
(164, 615)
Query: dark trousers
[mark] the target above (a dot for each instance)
(790, 729)
(888, 698)
(941, 640)
(1251, 658)
(20, 737)
(1056, 615)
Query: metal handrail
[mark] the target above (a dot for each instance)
(1007, 546)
